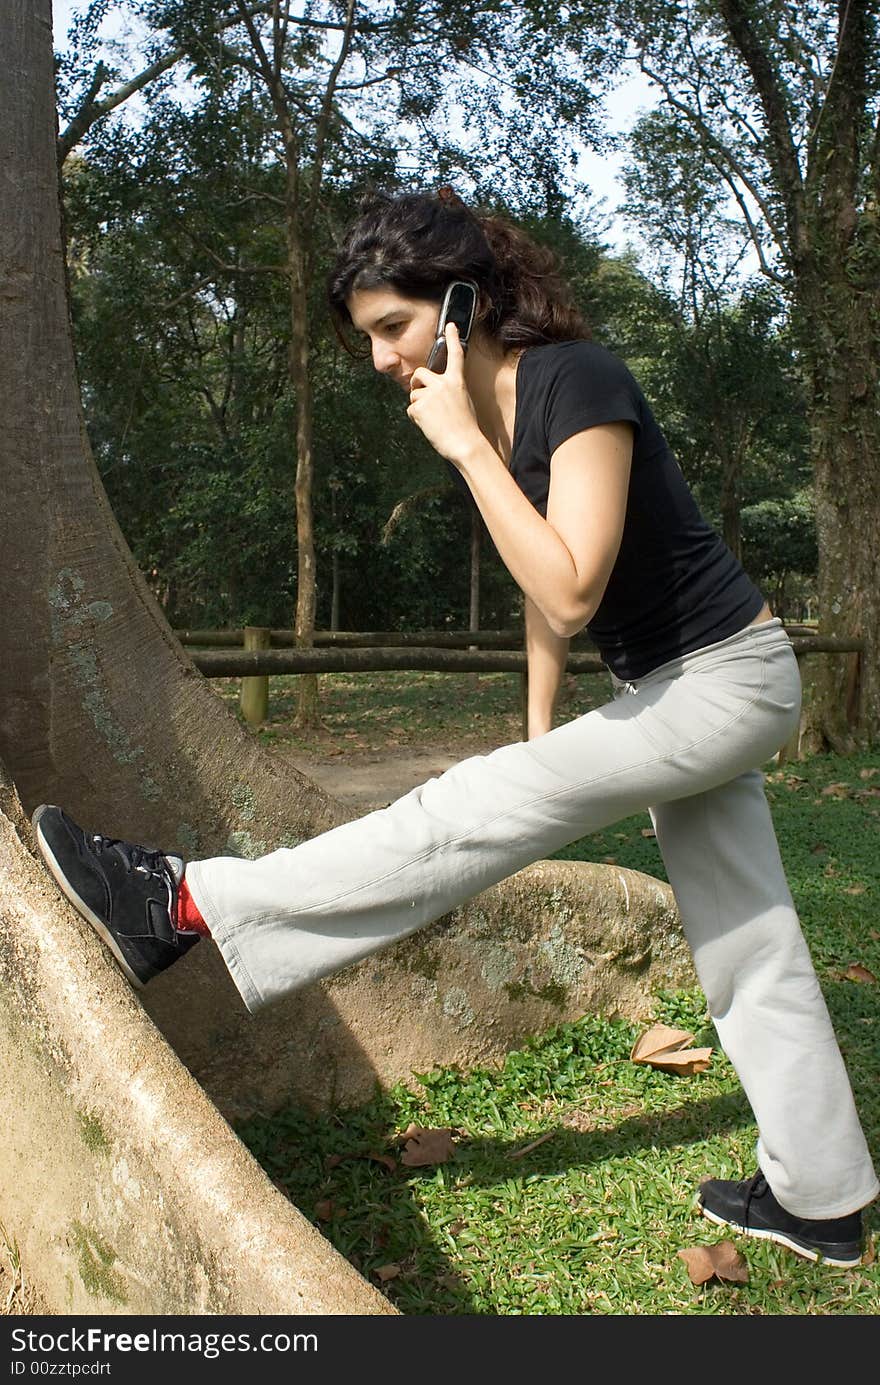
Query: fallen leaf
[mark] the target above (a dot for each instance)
(868, 773)
(426, 1146)
(721, 1261)
(659, 1039)
(324, 1209)
(667, 1049)
(839, 790)
(854, 889)
(685, 1061)
(856, 972)
(385, 1272)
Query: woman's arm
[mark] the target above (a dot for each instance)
(562, 562)
(546, 653)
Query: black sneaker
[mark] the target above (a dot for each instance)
(751, 1208)
(128, 893)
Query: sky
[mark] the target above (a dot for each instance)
(600, 173)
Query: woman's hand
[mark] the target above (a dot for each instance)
(441, 406)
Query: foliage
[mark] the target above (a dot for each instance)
(183, 324)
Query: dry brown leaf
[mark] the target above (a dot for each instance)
(868, 773)
(324, 1209)
(666, 1049)
(385, 1272)
(721, 1261)
(839, 790)
(856, 972)
(426, 1146)
(659, 1039)
(854, 889)
(685, 1061)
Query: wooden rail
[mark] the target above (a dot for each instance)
(257, 653)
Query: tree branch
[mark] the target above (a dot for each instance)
(326, 108)
(91, 110)
(782, 152)
(845, 99)
(712, 142)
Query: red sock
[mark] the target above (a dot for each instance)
(189, 920)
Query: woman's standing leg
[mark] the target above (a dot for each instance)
(724, 866)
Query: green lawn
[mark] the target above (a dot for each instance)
(591, 1217)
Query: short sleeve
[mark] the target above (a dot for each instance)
(589, 386)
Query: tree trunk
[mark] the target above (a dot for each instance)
(731, 522)
(841, 341)
(474, 608)
(334, 594)
(306, 591)
(100, 708)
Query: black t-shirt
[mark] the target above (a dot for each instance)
(675, 586)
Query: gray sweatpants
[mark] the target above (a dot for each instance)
(685, 742)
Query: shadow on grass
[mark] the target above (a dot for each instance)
(418, 1225)
(328, 1167)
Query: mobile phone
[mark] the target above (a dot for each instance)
(459, 306)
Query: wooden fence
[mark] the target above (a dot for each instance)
(256, 653)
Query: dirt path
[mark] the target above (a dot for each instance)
(372, 780)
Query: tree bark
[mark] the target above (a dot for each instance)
(731, 517)
(306, 589)
(831, 248)
(840, 348)
(100, 708)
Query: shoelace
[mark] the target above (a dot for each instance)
(141, 858)
(757, 1186)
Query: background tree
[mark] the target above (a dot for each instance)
(782, 102)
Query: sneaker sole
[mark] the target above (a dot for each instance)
(781, 1239)
(83, 909)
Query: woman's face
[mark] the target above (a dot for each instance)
(400, 329)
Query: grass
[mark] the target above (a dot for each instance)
(572, 1184)
(389, 711)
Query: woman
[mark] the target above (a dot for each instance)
(590, 513)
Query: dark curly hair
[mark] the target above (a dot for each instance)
(417, 242)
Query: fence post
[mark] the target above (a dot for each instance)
(254, 699)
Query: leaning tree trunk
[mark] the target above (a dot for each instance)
(841, 345)
(102, 711)
(100, 708)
